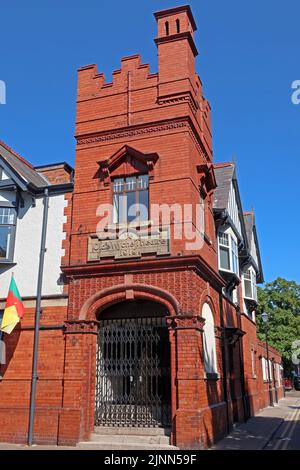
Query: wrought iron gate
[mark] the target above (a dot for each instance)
(133, 373)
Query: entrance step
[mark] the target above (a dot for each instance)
(129, 430)
(110, 438)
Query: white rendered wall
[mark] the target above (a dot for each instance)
(4, 175)
(27, 249)
(233, 209)
(253, 250)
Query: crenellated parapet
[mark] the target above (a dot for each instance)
(92, 84)
(135, 96)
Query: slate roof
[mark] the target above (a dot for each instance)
(22, 167)
(224, 173)
(249, 224)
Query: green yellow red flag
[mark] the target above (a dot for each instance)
(14, 308)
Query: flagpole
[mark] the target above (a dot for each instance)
(2, 341)
(1, 351)
(34, 376)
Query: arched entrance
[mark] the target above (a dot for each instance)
(133, 385)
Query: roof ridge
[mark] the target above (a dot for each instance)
(22, 159)
(223, 164)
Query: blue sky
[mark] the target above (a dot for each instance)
(248, 58)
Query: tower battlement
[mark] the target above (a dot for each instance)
(135, 96)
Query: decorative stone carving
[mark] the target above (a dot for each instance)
(81, 326)
(125, 134)
(186, 322)
(123, 248)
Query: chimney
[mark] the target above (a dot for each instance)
(176, 50)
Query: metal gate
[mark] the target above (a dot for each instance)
(133, 373)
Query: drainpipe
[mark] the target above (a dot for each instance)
(224, 363)
(274, 380)
(34, 376)
(246, 404)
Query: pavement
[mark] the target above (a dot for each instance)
(274, 428)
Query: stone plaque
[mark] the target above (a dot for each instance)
(123, 248)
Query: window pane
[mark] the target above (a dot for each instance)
(143, 205)
(130, 184)
(119, 209)
(254, 291)
(122, 208)
(248, 290)
(143, 182)
(116, 209)
(131, 209)
(130, 192)
(6, 215)
(119, 214)
(118, 185)
(224, 258)
(4, 241)
(247, 274)
(235, 266)
(234, 253)
(223, 239)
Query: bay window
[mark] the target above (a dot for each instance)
(7, 232)
(228, 253)
(249, 278)
(130, 199)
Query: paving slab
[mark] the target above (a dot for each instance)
(258, 431)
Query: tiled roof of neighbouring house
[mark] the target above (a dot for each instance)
(224, 173)
(22, 167)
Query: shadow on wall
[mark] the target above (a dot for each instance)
(4, 268)
(215, 425)
(229, 315)
(11, 343)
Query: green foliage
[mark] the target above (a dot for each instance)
(281, 300)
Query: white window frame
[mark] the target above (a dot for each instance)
(232, 249)
(264, 370)
(209, 341)
(8, 217)
(271, 370)
(253, 363)
(249, 276)
(121, 188)
(280, 371)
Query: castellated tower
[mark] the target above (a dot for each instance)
(147, 137)
(163, 113)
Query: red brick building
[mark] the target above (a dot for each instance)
(160, 323)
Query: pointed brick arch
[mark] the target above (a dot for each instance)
(112, 295)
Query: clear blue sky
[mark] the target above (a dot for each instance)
(248, 58)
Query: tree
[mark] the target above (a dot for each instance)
(281, 300)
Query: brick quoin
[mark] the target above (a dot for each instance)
(165, 118)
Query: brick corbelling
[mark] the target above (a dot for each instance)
(192, 263)
(143, 130)
(184, 286)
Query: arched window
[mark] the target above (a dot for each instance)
(209, 341)
(178, 25)
(167, 28)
